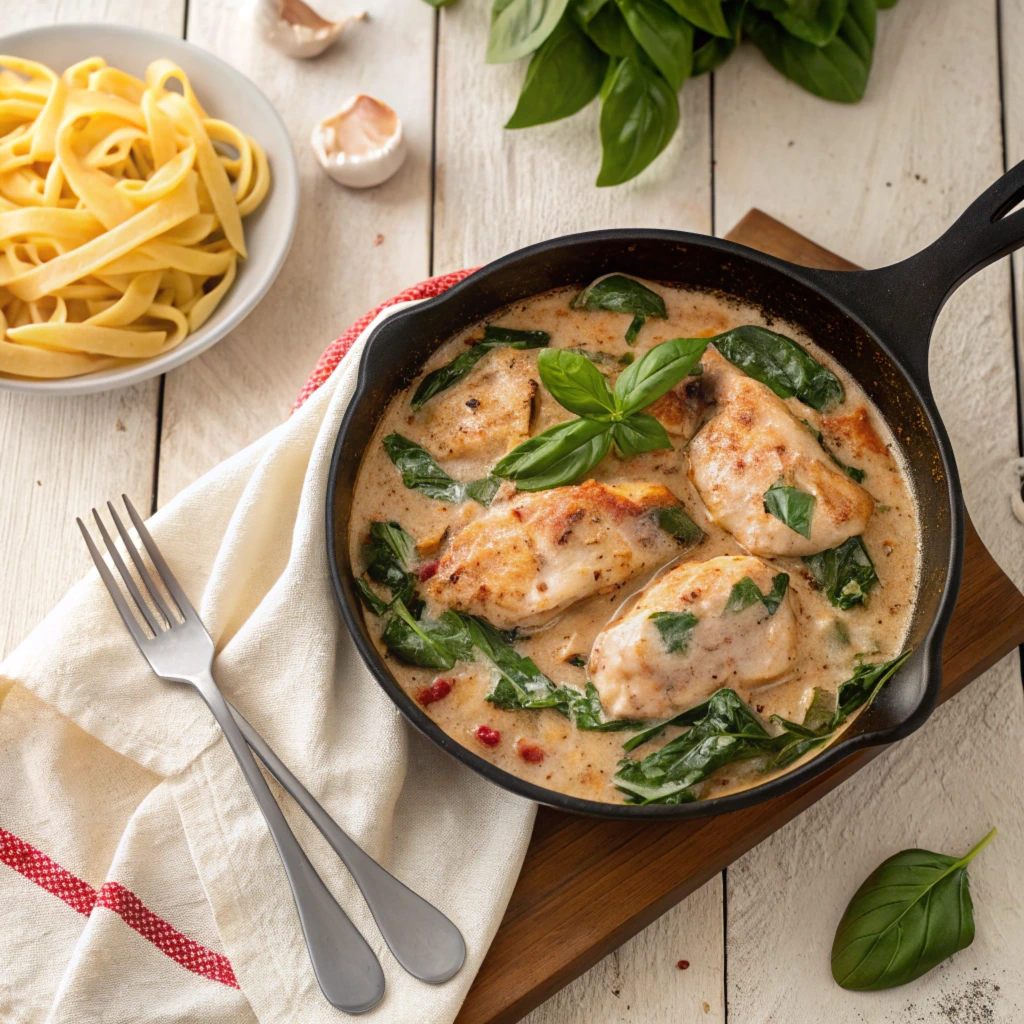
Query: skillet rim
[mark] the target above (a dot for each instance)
(928, 651)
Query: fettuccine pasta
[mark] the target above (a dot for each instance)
(121, 206)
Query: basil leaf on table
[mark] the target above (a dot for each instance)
(704, 14)
(791, 506)
(451, 373)
(911, 913)
(435, 645)
(518, 27)
(617, 293)
(817, 24)
(838, 71)
(639, 116)
(575, 383)
(746, 592)
(657, 372)
(845, 574)
(563, 76)
(608, 31)
(674, 520)
(558, 456)
(639, 433)
(675, 629)
(710, 51)
(664, 36)
(420, 472)
(781, 364)
(855, 474)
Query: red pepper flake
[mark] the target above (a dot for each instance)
(487, 736)
(529, 752)
(683, 964)
(438, 690)
(426, 571)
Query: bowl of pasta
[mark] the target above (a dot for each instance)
(148, 199)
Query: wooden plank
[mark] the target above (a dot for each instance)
(621, 877)
(352, 248)
(61, 456)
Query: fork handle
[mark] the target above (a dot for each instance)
(422, 939)
(345, 966)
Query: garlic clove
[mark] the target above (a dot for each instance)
(294, 28)
(362, 144)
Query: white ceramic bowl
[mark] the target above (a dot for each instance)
(225, 93)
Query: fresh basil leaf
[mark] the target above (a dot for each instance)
(558, 456)
(639, 116)
(640, 433)
(451, 373)
(609, 32)
(852, 472)
(791, 506)
(563, 76)
(675, 629)
(674, 520)
(746, 592)
(780, 363)
(520, 26)
(911, 913)
(703, 14)
(427, 644)
(817, 27)
(884, 5)
(710, 51)
(420, 472)
(657, 372)
(845, 574)
(617, 293)
(440, 3)
(665, 37)
(575, 383)
(838, 71)
(585, 10)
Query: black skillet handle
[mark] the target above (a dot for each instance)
(900, 303)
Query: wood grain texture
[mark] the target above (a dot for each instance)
(624, 876)
(62, 456)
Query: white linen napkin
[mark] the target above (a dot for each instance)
(141, 882)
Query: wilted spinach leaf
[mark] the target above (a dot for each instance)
(421, 472)
(620, 294)
(674, 520)
(845, 574)
(389, 552)
(746, 592)
(675, 629)
(435, 645)
(792, 506)
(911, 913)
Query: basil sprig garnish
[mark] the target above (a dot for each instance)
(451, 373)
(723, 730)
(780, 363)
(845, 574)
(617, 293)
(746, 592)
(911, 913)
(675, 629)
(568, 451)
(791, 506)
(420, 472)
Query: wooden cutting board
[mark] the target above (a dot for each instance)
(555, 929)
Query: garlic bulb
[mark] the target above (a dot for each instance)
(362, 144)
(294, 28)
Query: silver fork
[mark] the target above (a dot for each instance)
(422, 939)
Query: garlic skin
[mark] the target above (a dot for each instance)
(295, 29)
(362, 145)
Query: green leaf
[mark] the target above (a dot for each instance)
(845, 574)
(704, 14)
(370, 598)
(674, 520)
(884, 5)
(389, 553)
(792, 506)
(746, 593)
(657, 372)
(575, 383)
(640, 433)
(435, 645)
(440, 3)
(780, 363)
(608, 31)
(420, 472)
(911, 913)
(665, 37)
(558, 456)
(564, 75)
(451, 373)
(617, 293)
(818, 26)
(862, 686)
(520, 26)
(710, 51)
(838, 71)
(675, 628)
(851, 471)
(639, 116)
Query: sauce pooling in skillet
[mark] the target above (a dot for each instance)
(798, 595)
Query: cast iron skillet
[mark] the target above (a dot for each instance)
(877, 323)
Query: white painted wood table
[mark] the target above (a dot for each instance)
(944, 112)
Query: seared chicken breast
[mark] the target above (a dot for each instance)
(683, 639)
(681, 410)
(752, 443)
(532, 556)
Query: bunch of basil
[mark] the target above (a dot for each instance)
(636, 55)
